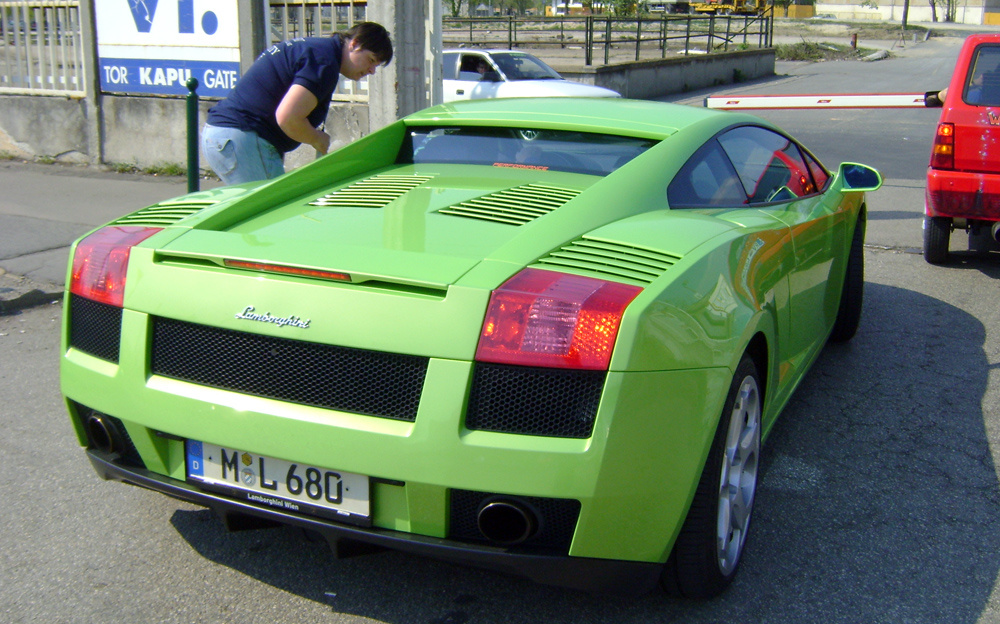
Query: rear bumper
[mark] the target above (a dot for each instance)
(963, 195)
(587, 574)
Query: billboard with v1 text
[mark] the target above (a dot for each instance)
(154, 46)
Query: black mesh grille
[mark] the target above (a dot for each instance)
(534, 401)
(95, 328)
(352, 380)
(556, 518)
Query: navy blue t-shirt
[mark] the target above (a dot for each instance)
(313, 62)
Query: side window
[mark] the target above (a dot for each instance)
(707, 180)
(982, 84)
(449, 66)
(770, 166)
(473, 67)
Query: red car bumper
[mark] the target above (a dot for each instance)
(963, 195)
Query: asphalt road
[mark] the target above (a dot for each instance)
(879, 500)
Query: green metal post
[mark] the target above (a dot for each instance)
(607, 40)
(638, 36)
(192, 134)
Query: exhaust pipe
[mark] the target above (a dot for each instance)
(507, 522)
(995, 231)
(104, 434)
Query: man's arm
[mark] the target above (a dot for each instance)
(292, 114)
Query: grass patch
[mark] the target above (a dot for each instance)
(166, 169)
(5, 155)
(160, 169)
(877, 31)
(811, 51)
(120, 167)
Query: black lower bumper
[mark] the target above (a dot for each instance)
(592, 575)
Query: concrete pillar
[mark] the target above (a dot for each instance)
(412, 80)
(94, 127)
(253, 26)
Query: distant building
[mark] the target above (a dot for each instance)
(964, 12)
(566, 8)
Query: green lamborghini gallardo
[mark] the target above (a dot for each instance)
(545, 337)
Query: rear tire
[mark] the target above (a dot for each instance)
(708, 550)
(852, 295)
(937, 231)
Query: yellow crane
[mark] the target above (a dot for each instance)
(730, 7)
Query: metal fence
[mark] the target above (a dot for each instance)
(41, 48)
(602, 39)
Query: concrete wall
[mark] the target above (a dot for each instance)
(140, 131)
(151, 131)
(54, 127)
(655, 78)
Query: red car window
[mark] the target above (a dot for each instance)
(982, 83)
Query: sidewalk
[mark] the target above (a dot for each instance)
(44, 208)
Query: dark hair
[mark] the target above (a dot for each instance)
(372, 37)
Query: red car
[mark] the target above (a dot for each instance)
(963, 179)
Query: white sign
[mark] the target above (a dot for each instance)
(155, 46)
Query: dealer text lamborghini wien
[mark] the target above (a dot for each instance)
(545, 337)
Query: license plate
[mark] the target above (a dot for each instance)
(279, 484)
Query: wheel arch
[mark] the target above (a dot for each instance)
(759, 352)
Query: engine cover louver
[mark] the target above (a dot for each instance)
(514, 206)
(374, 192)
(609, 260)
(165, 213)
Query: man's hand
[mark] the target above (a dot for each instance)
(935, 99)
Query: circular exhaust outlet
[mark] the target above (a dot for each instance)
(103, 434)
(507, 522)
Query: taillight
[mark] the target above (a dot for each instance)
(556, 320)
(943, 151)
(101, 260)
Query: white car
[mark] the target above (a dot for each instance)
(478, 74)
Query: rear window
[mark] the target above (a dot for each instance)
(982, 83)
(522, 148)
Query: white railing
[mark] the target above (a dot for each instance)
(41, 48)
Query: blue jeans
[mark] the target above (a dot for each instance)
(237, 156)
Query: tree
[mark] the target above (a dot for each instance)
(456, 7)
(782, 4)
(521, 6)
(622, 8)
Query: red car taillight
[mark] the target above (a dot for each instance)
(101, 260)
(556, 320)
(943, 151)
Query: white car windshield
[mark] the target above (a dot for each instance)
(521, 66)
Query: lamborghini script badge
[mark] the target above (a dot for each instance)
(248, 314)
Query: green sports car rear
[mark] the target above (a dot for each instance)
(485, 333)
